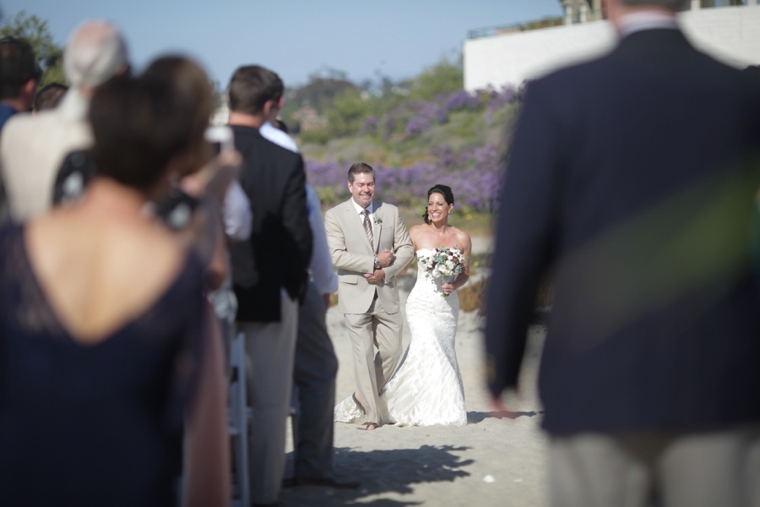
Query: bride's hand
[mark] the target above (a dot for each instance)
(448, 288)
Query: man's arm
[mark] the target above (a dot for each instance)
(322, 271)
(402, 248)
(295, 217)
(341, 257)
(524, 239)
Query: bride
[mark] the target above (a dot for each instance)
(427, 387)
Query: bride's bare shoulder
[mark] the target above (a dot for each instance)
(463, 238)
(416, 230)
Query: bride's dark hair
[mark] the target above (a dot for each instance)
(445, 191)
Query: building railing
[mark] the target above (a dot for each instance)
(516, 28)
(586, 14)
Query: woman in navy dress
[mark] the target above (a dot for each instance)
(105, 356)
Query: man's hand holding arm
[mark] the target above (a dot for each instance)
(404, 251)
(383, 259)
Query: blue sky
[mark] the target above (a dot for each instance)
(397, 38)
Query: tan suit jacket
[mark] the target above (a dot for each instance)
(353, 255)
(32, 149)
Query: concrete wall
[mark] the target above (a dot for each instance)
(730, 34)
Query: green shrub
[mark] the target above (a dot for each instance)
(319, 136)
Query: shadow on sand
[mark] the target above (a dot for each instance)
(382, 471)
(476, 417)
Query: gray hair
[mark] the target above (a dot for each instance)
(673, 5)
(95, 52)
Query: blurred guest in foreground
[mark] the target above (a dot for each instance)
(32, 148)
(632, 178)
(49, 97)
(19, 77)
(104, 331)
(270, 271)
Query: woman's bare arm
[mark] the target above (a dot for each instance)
(207, 460)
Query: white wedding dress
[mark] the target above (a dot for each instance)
(427, 387)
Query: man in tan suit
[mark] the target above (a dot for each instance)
(369, 245)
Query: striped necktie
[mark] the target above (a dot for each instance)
(368, 227)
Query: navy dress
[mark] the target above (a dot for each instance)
(96, 424)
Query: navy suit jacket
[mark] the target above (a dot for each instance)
(631, 181)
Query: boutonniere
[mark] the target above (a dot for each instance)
(377, 220)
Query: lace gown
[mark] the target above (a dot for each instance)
(427, 387)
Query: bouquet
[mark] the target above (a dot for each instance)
(445, 262)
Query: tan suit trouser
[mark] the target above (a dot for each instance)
(271, 352)
(710, 469)
(376, 328)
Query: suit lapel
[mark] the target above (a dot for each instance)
(355, 227)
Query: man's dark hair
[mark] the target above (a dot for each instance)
(17, 66)
(139, 126)
(360, 168)
(251, 87)
(50, 96)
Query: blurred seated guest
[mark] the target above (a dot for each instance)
(107, 347)
(49, 97)
(190, 83)
(32, 148)
(19, 77)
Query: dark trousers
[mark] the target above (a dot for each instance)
(316, 367)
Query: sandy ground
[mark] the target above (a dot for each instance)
(493, 461)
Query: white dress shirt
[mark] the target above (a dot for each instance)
(360, 210)
(322, 272)
(278, 137)
(236, 213)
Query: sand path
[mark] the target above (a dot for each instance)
(493, 461)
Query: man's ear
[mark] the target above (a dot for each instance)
(30, 89)
(267, 108)
(280, 102)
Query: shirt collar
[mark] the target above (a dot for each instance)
(646, 20)
(359, 209)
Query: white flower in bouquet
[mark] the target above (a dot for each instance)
(445, 262)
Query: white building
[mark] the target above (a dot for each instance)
(729, 30)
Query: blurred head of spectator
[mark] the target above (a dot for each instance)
(95, 52)
(256, 93)
(49, 97)
(190, 85)
(617, 10)
(143, 132)
(19, 74)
